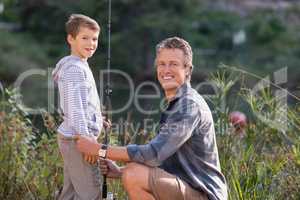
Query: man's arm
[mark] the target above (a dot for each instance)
(117, 153)
(171, 137)
(89, 146)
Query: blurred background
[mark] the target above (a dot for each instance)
(260, 37)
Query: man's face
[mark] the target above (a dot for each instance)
(85, 43)
(170, 69)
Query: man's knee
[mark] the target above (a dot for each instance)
(135, 174)
(129, 172)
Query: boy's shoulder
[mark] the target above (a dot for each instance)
(70, 65)
(71, 62)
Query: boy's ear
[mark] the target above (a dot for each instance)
(70, 38)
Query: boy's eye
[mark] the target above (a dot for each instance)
(84, 38)
(95, 39)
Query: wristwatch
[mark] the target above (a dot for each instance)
(102, 151)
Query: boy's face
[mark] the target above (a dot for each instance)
(85, 43)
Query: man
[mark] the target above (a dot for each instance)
(182, 161)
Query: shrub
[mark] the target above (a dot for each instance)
(28, 169)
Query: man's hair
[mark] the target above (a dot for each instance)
(76, 21)
(178, 43)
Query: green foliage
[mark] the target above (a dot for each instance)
(262, 162)
(28, 169)
(18, 53)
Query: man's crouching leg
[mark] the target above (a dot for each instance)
(135, 178)
(142, 182)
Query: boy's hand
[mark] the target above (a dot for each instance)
(110, 168)
(92, 159)
(87, 145)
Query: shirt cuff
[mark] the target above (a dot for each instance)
(133, 151)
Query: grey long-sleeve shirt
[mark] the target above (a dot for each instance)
(186, 144)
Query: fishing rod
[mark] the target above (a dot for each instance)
(108, 93)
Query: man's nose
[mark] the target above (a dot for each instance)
(167, 67)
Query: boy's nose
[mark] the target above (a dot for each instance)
(94, 43)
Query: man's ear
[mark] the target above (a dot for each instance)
(188, 71)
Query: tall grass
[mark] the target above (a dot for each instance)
(264, 162)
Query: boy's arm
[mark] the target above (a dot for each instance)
(75, 91)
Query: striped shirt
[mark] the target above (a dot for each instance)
(78, 97)
(185, 145)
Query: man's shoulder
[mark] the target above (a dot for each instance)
(190, 96)
(194, 95)
(194, 99)
(186, 104)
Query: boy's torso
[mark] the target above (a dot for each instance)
(92, 108)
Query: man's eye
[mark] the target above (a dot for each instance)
(95, 39)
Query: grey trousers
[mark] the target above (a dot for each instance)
(82, 181)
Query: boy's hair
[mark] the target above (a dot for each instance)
(76, 21)
(178, 43)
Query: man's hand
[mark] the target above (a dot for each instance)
(110, 168)
(87, 145)
(92, 159)
(106, 122)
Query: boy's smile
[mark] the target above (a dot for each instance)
(85, 43)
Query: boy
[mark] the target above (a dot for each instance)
(80, 105)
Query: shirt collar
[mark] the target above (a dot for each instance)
(181, 90)
(75, 57)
